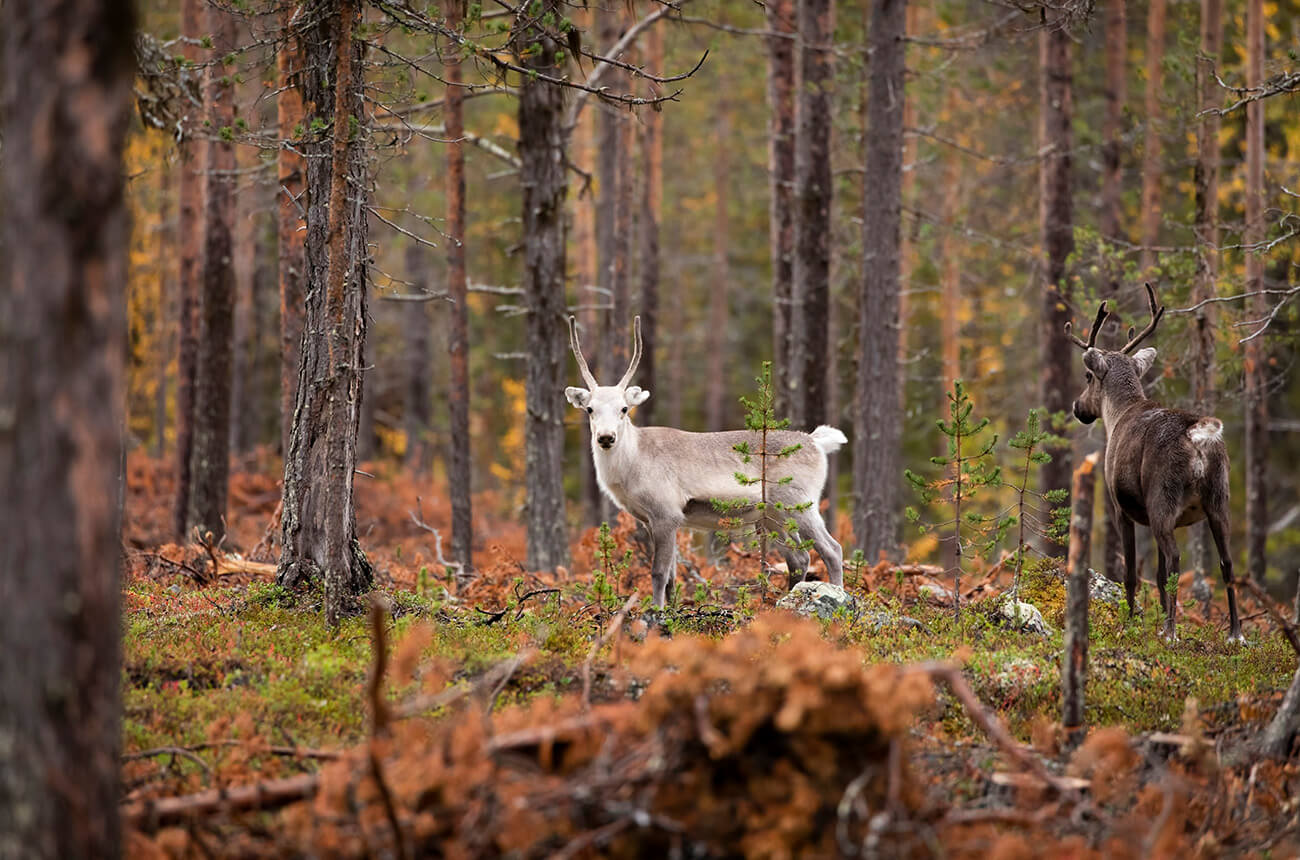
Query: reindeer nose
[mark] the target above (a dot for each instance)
(605, 440)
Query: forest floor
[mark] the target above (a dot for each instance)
(518, 714)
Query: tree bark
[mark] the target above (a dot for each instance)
(541, 151)
(67, 71)
(1056, 219)
(1256, 375)
(715, 397)
(590, 318)
(652, 155)
(781, 80)
(193, 181)
(459, 474)
(1207, 241)
(319, 513)
(809, 353)
(417, 321)
(1112, 225)
(608, 131)
(877, 467)
(291, 210)
(1074, 668)
(210, 459)
(1155, 56)
(1281, 730)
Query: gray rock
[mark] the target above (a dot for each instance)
(880, 620)
(817, 598)
(1102, 590)
(1022, 616)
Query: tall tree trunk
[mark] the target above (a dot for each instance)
(1112, 228)
(590, 317)
(193, 184)
(809, 356)
(319, 537)
(1256, 370)
(210, 460)
(541, 151)
(907, 243)
(1056, 219)
(291, 210)
(1155, 55)
(417, 321)
(1207, 239)
(167, 313)
(608, 129)
(652, 157)
(620, 276)
(459, 474)
(716, 386)
(67, 70)
(877, 466)
(781, 79)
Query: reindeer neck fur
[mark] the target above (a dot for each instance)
(616, 467)
(1119, 399)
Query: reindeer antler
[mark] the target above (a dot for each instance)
(636, 352)
(577, 353)
(1092, 334)
(1156, 314)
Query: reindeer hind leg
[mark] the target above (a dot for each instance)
(1219, 529)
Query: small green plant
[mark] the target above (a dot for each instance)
(760, 418)
(610, 569)
(968, 469)
(1032, 442)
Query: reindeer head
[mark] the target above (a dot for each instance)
(606, 405)
(1113, 374)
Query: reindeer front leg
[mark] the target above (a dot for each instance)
(663, 534)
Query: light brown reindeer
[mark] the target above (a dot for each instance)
(1165, 468)
(669, 478)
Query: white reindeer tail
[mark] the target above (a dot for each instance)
(1206, 431)
(828, 439)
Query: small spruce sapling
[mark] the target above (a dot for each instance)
(609, 570)
(760, 418)
(969, 469)
(1032, 441)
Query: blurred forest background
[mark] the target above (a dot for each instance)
(669, 213)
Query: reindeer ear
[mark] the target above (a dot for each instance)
(635, 395)
(579, 397)
(1145, 358)
(1096, 362)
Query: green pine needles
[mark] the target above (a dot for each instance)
(760, 418)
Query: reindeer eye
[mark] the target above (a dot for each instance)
(624, 410)
(590, 410)
(1087, 376)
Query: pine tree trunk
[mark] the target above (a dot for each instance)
(67, 69)
(1207, 239)
(781, 80)
(193, 184)
(210, 460)
(541, 151)
(167, 312)
(809, 357)
(1056, 214)
(417, 322)
(1256, 367)
(907, 241)
(620, 276)
(652, 155)
(1112, 226)
(1074, 668)
(590, 318)
(877, 466)
(608, 127)
(458, 473)
(319, 537)
(291, 210)
(716, 385)
(1155, 56)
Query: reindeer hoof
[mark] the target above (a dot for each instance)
(1169, 635)
(1237, 639)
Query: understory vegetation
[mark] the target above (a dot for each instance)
(562, 725)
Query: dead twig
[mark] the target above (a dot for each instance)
(151, 814)
(380, 718)
(991, 725)
(615, 624)
(1288, 629)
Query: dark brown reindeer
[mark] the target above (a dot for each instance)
(1165, 468)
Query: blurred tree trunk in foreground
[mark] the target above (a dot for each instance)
(67, 70)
